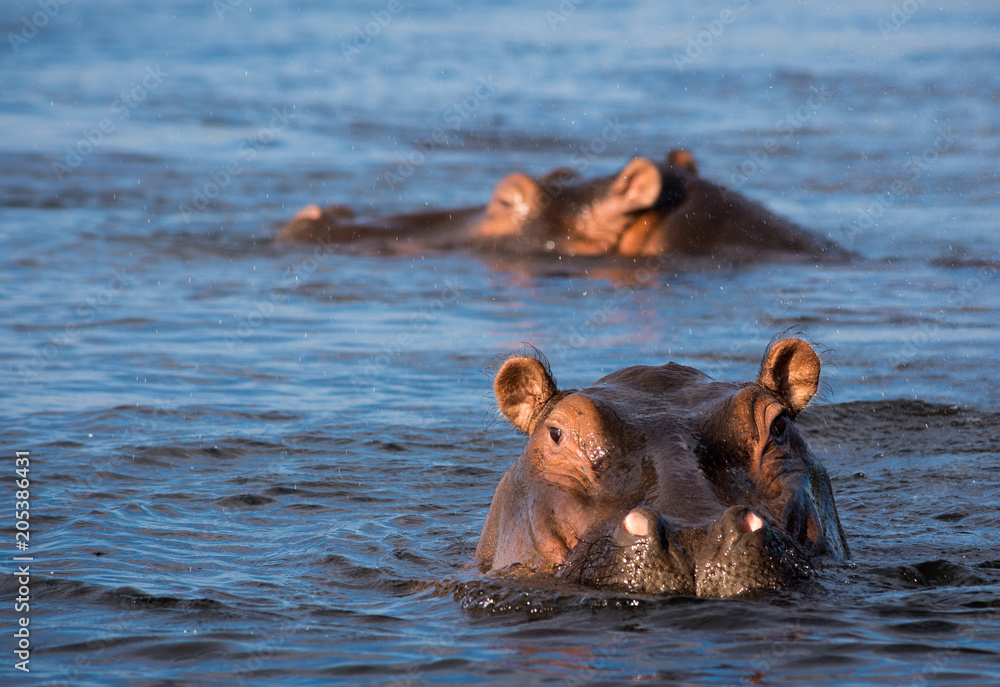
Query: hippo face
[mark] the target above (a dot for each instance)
(565, 215)
(662, 480)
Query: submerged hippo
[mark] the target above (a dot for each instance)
(646, 208)
(662, 480)
(557, 213)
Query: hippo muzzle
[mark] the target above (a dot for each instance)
(640, 554)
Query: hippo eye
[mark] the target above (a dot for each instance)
(779, 428)
(555, 434)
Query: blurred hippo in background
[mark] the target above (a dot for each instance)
(646, 208)
(661, 480)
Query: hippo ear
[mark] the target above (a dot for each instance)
(682, 159)
(790, 371)
(522, 386)
(514, 199)
(635, 188)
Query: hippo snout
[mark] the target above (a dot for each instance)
(639, 554)
(642, 553)
(744, 552)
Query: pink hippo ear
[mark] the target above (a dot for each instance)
(790, 371)
(522, 387)
(682, 159)
(514, 199)
(635, 188)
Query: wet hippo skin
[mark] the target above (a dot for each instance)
(663, 480)
(646, 208)
(695, 216)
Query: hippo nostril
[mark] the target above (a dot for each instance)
(750, 522)
(636, 523)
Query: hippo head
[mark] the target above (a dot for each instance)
(563, 214)
(662, 480)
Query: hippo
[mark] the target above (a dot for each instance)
(557, 213)
(661, 480)
(646, 208)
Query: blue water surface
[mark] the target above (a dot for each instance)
(265, 464)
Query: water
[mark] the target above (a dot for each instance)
(254, 464)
